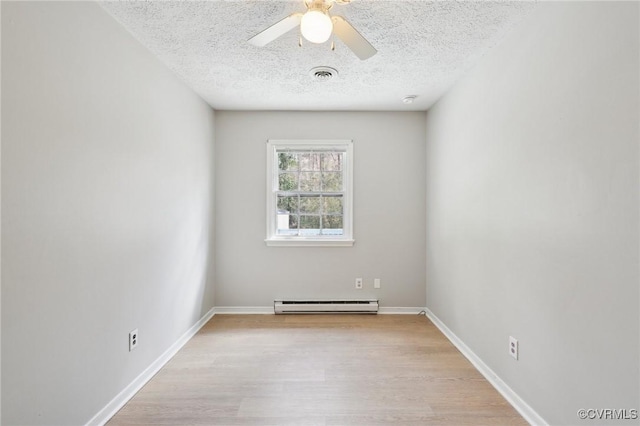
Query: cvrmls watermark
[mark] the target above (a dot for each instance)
(607, 414)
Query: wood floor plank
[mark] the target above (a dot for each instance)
(318, 370)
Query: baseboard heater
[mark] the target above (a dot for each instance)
(338, 306)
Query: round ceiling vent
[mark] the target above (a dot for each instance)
(323, 73)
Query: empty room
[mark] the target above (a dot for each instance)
(321, 212)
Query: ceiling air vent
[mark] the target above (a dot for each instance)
(323, 73)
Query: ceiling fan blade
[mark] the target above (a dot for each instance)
(276, 30)
(352, 38)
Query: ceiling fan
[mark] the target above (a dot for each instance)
(316, 26)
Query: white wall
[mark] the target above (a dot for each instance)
(532, 208)
(389, 209)
(106, 210)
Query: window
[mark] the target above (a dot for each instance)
(309, 193)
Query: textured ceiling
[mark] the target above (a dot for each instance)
(423, 48)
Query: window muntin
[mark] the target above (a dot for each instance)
(309, 192)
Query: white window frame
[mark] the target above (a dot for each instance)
(273, 239)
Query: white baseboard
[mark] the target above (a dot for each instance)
(249, 310)
(244, 310)
(127, 393)
(518, 403)
(401, 310)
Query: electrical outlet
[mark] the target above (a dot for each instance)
(513, 347)
(376, 283)
(133, 339)
(359, 283)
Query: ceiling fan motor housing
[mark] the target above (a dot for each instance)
(319, 5)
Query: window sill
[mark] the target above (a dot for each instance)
(291, 242)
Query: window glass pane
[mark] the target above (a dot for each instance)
(332, 181)
(309, 161)
(287, 161)
(332, 204)
(287, 204)
(310, 205)
(332, 225)
(309, 222)
(294, 221)
(332, 161)
(310, 181)
(288, 182)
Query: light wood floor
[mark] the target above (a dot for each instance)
(318, 370)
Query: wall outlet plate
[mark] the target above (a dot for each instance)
(513, 347)
(359, 283)
(133, 339)
(376, 283)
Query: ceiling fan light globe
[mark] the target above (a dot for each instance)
(316, 26)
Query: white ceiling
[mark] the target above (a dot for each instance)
(423, 48)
